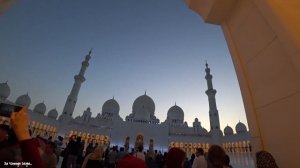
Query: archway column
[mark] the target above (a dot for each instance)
(263, 37)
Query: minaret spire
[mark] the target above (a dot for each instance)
(79, 79)
(213, 111)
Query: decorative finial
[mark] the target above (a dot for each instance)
(113, 97)
(90, 51)
(6, 81)
(175, 103)
(145, 92)
(206, 64)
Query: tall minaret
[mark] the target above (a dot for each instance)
(213, 111)
(79, 79)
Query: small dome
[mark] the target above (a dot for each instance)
(203, 131)
(196, 120)
(175, 112)
(23, 100)
(111, 106)
(240, 128)
(40, 108)
(4, 90)
(228, 130)
(143, 102)
(53, 114)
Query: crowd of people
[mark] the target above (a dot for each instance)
(18, 148)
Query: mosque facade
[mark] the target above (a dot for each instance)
(140, 126)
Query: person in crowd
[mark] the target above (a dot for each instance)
(49, 156)
(140, 154)
(264, 159)
(112, 157)
(227, 162)
(58, 143)
(150, 160)
(89, 149)
(106, 159)
(130, 161)
(80, 157)
(175, 158)
(65, 153)
(29, 150)
(94, 159)
(4, 129)
(73, 152)
(200, 161)
(215, 157)
(11, 152)
(121, 154)
(192, 159)
(159, 160)
(187, 163)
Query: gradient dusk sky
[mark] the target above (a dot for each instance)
(154, 45)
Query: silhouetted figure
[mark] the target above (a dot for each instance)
(215, 157)
(227, 162)
(4, 129)
(73, 152)
(175, 158)
(192, 159)
(264, 159)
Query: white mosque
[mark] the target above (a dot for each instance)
(141, 126)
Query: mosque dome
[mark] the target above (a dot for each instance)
(240, 128)
(53, 114)
(111, 106)
(176, 112)
(4, 90)
(23, 100)
(143, 104)
(196, 120)
(142, 115)
(40, 108)
(204, 131)
(228, 130)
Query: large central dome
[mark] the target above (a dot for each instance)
(142, 104)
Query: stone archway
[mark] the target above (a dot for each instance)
(263, 37)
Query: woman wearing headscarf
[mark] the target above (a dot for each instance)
(94, 159)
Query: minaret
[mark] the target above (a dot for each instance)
(213, 111)
(79, 79)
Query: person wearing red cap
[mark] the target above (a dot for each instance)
(175, 158)
(129, 161)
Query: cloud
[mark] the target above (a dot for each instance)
(5, 5)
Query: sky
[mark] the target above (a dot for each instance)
(155, 46)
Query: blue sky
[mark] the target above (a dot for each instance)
(158, 46)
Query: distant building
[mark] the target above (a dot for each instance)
(140, 126)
